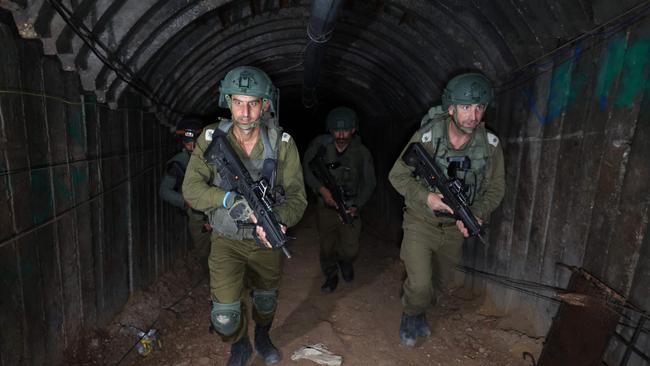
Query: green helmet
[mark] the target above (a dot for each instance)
(247, 80)
(341, 118)
(472, 88)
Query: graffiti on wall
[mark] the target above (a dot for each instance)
(622, 70)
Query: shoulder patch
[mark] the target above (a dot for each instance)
(208, 134)
(426, 137)
(285, 137)
(492, 139)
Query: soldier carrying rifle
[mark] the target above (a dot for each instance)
(340, 170)
(240, 252)
(458, 141)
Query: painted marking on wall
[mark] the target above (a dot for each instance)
(612, 64)
(75, 128)
(630, 63)
(61, 188)
(79, 176)
(633, 78)
(40, 188)
(558, 95)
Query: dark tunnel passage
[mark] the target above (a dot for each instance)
(90, 91)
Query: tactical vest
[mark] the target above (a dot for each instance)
(219, 218)
(477, 150)
(342, 167)
(176, 167)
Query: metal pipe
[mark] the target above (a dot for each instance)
(319, 30)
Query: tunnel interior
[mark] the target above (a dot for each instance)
(90, 92)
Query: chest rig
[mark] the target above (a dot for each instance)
(469, 164)
(265, 167)
(342, 166)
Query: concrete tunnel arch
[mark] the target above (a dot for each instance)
(556, 65)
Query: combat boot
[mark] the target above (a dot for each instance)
(421, 326)
(331, 282)
(407, 330)
(347, 271)
(241, 352)
(263, 345)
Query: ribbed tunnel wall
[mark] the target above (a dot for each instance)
(81, 224)
(575, 127)
(573, 122)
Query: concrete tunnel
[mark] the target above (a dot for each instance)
(90, 92)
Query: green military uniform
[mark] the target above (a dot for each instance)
(234, 253)
(432, 245)
(354, 172)
(170, 191)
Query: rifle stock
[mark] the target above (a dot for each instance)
(256, 193)
(451, 189)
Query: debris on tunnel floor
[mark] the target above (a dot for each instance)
(359, 321)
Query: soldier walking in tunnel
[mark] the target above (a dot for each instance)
(339, 168)
(187, 130)
(432, 244)
(238, 257)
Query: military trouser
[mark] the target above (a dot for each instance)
(338, 242)
(430, 251)
(234, 265)
(200, 237)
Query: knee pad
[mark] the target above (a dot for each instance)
(226, 317)
(265, 301)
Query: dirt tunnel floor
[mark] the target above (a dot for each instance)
(359, 321)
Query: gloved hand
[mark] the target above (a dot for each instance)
(237, 207)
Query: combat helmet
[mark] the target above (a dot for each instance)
(248, 80)
(470, 88)
(189, 129)
(341, 118)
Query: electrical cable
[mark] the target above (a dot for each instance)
(158, 317)
(121, 70)
(65, 101)
(525, 286)
(639, 12)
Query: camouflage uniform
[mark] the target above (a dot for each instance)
(170, 192)
(355, 174)
(235, 259)
(432, 245)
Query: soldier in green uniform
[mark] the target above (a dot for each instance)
(432, 245)
(187, 130)
(236, 259)
(350, 164)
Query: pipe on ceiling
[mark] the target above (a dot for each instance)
(319, 30)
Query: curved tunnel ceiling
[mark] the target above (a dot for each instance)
(393, 55)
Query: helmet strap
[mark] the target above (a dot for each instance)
(251, 125)
(248, 126)
(464, 130)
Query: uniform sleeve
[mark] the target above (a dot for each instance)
(310, 178)
(495, 186)
(167, 192)
(290, 211)
(368, 179)
(196, 186)
(415, 193)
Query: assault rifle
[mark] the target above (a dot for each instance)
(451, 189)
(257, 193)
(321, 171)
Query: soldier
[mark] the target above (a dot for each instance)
(432, 245)
(235, 258)
(351, 166)
(187, 131)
